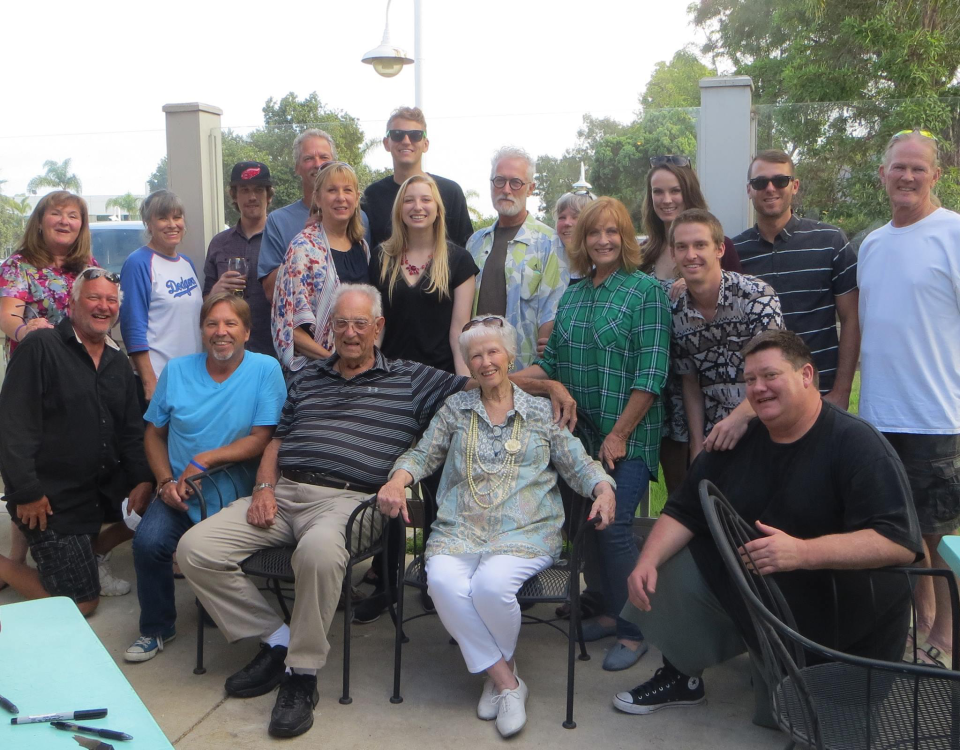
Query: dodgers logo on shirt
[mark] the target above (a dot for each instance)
(182, 287)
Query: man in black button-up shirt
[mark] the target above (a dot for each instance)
(71, 443)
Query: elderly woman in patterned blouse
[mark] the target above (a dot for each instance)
(500, 514)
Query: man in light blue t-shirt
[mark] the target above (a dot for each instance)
(208, 409)
(311, 150)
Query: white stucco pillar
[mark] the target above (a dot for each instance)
(195, 173)
(726, 142)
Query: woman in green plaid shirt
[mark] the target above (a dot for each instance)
(610, 347)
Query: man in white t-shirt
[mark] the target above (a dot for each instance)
(909, 278)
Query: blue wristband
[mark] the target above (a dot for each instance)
(199, 466)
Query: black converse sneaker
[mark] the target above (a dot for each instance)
(666, 689)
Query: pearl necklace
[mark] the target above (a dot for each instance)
(412, 269)
(506, 471)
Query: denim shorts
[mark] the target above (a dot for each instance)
(932, 463)
(66, 563)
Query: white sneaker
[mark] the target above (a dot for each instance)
(487, 707)
(511, 710)
(110, 585)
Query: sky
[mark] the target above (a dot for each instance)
(497, 72)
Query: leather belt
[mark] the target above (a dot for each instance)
(324, 480)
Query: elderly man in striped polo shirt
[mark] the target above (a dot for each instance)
(345, 422)
(812, 268)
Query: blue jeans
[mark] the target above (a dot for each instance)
(153, 547)
(618, 550)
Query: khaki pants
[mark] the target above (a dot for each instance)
(315, 519)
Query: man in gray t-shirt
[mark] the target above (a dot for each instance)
(521, 277)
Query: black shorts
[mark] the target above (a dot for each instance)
(66, 563)
(932, 463)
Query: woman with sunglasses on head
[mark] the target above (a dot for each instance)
(500, 515)
(318, 260)
(36, 281)
(672, 188)
(162, 294)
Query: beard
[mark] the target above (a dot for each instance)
(515, 207)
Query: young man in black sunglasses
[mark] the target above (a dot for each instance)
(406, 141)
(812, 268)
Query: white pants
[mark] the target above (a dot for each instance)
(476, 598)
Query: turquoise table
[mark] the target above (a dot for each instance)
(50, 662)
(949, 550)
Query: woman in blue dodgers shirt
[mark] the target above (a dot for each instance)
(162, 294)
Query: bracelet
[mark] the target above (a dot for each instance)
(16, 333)
(198, 465)
(262, 486)
(163, 484)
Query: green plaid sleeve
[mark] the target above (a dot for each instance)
(651, 333)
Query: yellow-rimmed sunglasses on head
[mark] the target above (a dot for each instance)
(924, 133)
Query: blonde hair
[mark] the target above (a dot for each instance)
(392, 249)
(592, 215)
(34, 250)
(334, 168)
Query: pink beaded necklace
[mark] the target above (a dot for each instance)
(412, 269)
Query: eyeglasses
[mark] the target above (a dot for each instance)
(95, 273)
(780, 181)
(359, 324)
(501, 182)
(415, 136)
(677, 161)
(924, 133)
(490, 322)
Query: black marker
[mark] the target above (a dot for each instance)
(8, 706)
(90, 713)
(107, 734)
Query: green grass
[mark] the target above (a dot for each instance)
(658, 490)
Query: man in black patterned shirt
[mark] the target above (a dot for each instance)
(713, 320)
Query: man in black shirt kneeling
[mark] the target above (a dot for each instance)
(830, 499)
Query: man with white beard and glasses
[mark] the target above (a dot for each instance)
(209, 409)
(522, 277)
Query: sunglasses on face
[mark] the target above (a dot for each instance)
(95, 273)
(487, 322)
(677, 161)
(780, 181)
(415, 136)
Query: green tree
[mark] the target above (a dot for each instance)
(56, 175)
(476, 215)
(556, 175)
(272, 144)
(128, 204)
(861, 70)
(158, 180)
(13, 218)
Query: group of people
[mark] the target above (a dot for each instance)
(376, 341)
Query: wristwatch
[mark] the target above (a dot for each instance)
(262, 486)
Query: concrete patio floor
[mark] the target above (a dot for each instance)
(440, 697)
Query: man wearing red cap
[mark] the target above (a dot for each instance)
(251, 191)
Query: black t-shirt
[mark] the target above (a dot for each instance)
(378, 201)
(351, 265)
(418, 322)
(841, 476)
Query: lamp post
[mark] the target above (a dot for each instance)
(388, 60)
